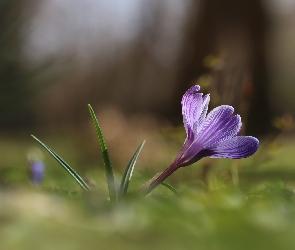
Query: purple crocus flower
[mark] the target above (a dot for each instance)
(37, 172)
(213, 135)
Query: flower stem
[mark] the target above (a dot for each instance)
(163, 176)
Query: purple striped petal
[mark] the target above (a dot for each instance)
(234, 148)
(219, 125)
(225, 132)
(206, 100)
(189, 152)
(192, 103)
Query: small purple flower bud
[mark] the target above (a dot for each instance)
(37, 172)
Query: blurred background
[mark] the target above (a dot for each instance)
(133, 61)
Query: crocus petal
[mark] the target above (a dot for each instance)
(206, 100)
(192, 103)
(189, 152)
(219, 125)
(234, 148)
(227, 131)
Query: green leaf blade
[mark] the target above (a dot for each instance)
(128, 172)
(106, 158)
(65, 165)
(172, 189)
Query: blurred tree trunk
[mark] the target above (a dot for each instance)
(237, 28)
(14, 89)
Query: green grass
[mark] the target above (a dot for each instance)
(223, 219)
(214, 211)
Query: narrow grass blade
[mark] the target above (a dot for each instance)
(171, 188)
(128, 172)
(106, 158)
(66, 166)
